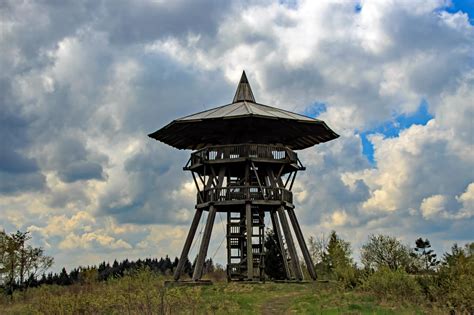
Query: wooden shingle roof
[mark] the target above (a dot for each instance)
(244, 121)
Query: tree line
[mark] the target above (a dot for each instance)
(23, 266)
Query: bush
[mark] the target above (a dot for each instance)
(455, 288)
(393, 284)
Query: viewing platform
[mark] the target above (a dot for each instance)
(241, 194)
(244, 152)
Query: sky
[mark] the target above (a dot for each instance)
(82, 83)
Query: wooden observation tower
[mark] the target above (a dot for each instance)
(244, 164)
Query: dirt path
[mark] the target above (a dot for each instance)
(279, 304)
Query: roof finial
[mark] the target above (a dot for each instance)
(244, 91)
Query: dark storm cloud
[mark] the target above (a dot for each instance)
(140, 21)
(82, 170)
(154, 177)
(18, 171)
(16, 183)
(43, 23)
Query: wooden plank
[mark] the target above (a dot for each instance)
(277, 230)
(248, 221)
(295, 263)
(187, 244)
(304, 248)
(204, 244)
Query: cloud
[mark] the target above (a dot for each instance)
(82, 171)
(437, 206)
(80, 91)
(467, 200)
(433, 205)
(88, 240)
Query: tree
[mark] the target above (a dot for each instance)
(383, 250)
(457, 254)
(19, 261)
(338, 252)
(317, 249)
(337, 260)
(424, 255)
(64, 278)
(274, 265)
(455, 279)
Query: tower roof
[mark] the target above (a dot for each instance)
(244, 121)
(244, 91)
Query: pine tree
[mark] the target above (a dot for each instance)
(63, 278)
(425, 255)
(274, 265)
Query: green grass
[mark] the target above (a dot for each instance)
(144, 293)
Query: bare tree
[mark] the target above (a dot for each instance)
(317, 248)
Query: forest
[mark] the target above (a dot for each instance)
(391, 277)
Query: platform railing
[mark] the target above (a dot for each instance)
(245, 193)
(231, 152)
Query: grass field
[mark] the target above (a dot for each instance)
(144, 293)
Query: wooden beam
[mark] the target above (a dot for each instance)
(277, 230)
(304, 248)
(248, 221)
(187, 244)
(258, 180)
(201, 200)
(204, 244)
(292, 181)
(288, 179)
(295, 263)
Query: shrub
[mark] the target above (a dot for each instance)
(393, 284)
(385, 251)
(455, 280)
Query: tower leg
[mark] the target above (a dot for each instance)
(291, 245)
(276, 228)
(187, 244)
(304, 248)
(204, 244)
(248, 221)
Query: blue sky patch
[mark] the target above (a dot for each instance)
(392, 128)
(466, 6)
(357, 7)
(315, 109)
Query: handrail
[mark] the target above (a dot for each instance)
(246, 193)
(236, 151)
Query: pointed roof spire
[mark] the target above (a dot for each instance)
(244, 91)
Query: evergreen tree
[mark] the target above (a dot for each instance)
(337, 260)
(274, 265)
(208, 266)
(338, 253)
(188, 268)
(425, 255)
(63, 278)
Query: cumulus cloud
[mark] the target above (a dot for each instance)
(80, 91)
(433, 206)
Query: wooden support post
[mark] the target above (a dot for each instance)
(204, 244)
(248, 221)
(304, 248)
(187, 244)
(277, 230)
(291, 245)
